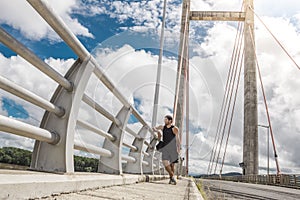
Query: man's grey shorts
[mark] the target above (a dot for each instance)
(169, 153)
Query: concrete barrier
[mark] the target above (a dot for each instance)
(28, 184)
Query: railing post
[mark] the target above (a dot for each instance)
(157, 156)
(113, 165)
(148, 169)
(59, 157)
(137, 167)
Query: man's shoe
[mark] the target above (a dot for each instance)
(170, 181)
(173, 181)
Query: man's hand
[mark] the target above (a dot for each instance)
(156, 129)
(178, 149)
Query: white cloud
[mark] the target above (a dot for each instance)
(230, 5)
(22, 73)
(32, 26)
(282, 8)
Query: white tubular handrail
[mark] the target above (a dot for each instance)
(94, 129)
(145, 153)
(131, 132)
(58, 25)
(28, 55)
(17, 90)
(148, 144)
(145, 163)
(104, 79)
(89, 101)
(139, 117)
(13, 126)
(128, 158)
(73, 42)
(134, 148)
(92, 149)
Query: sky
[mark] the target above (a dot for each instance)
(123, 36)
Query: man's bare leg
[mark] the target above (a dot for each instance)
(173, 167)
(169, 169)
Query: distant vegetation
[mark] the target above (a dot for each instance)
(227, 174)
(84, 164)
(16, 156)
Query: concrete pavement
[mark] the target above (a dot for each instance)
(158, 190)
(16, 184)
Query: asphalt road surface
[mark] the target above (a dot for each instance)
(232, 190)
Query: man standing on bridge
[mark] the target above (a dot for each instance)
(170, 145)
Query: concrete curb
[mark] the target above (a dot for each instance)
(194, 193)
(30, 185)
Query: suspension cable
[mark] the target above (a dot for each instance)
(224, 97)
(226, 94)
(279, 43)
(232, 57)
(232, 113)
(230, 100)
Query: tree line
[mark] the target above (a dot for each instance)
(16, 156)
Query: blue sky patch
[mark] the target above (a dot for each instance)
(137, 103)
(195, 129)
(13, 109)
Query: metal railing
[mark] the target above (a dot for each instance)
(54, 139)
(284, 180)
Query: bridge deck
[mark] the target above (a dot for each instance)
(159, 190)
(15, 184)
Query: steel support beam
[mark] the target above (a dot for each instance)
(113, 165)
(137, 167)
(217, 16)
(149, 169)
(157, 162)
(59, 157)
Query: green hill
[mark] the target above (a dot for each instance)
(21, 157)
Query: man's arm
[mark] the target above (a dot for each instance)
(158, 129)
(178, 142)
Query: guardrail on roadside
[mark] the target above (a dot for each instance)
(285, 180)
(55, 143)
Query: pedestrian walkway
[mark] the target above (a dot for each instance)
(17, 184)
(158, 190)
